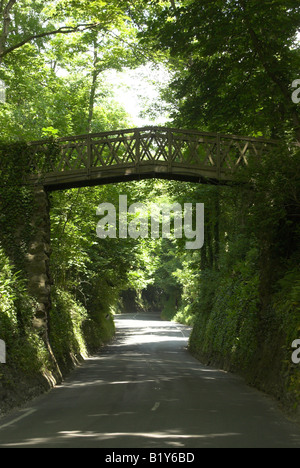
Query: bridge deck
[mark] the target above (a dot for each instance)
(143, 153)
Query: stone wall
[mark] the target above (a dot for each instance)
(38, 259)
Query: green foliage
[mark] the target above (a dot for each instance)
(8, 292)
(228, 330)
(286, 306)
(25, 350)
(234, 74)
(248, 309)
(66, 319)
(54, 82)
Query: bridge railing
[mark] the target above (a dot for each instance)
(213, 155)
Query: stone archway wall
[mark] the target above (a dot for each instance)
(38, 259)
(38, 271)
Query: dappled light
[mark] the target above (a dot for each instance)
(134, 394)
(146, 440)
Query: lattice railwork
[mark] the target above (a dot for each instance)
(143, 152)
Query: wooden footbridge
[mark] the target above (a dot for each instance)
(140, 153)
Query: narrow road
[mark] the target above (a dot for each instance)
(146, 391)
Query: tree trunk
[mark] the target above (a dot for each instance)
(5, 26)
(95, 74)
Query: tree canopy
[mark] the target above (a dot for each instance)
(236, 60)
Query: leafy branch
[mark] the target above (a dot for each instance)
(62, 30)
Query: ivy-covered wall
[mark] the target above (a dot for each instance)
(247, 308)
(46, 329)
(25, 227)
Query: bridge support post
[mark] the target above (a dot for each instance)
(38, 260)
(38, 271)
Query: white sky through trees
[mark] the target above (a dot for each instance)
(138, 90)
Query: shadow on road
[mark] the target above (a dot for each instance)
(145, 390)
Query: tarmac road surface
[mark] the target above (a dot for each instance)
(145, 390)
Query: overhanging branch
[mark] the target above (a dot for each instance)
(62, 30)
